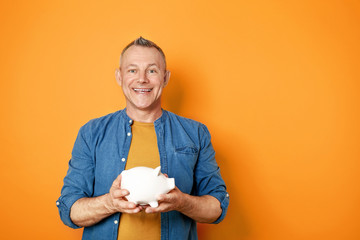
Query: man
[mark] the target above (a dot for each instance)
(142, 134)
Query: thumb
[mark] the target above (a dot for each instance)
(163, 198)
(117, 181)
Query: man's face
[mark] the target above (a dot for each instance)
(142, 76)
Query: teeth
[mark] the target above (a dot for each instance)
(142, 89)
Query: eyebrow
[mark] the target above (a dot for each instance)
(153, 64)
(131, 65)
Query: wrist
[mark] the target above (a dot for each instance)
(108, 203)
(185, 204)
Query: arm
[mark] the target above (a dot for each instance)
(77, 205)
(204, 209)
(209, 201)
(89, 211)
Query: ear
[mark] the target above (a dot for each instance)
(156, 171)
(167, 77)
(118, 77)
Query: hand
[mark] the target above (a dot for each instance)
(117, 201)
(174, 200)
(204, 209)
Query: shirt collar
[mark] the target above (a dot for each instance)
(158, 121)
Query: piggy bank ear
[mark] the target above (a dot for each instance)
(156, 171)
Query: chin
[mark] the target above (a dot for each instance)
(143, 107)
(146, 106)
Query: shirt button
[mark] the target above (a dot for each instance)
(57, 203)
(116, 222)
(123, 159)
(227, 195)
(129, 134)
(130, 121)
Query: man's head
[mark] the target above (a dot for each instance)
(143, 43)
(142, 76)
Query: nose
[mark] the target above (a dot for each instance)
(142, 77)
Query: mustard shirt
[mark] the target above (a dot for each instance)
(143, 152)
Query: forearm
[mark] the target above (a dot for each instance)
(89, 211)
(203, 209)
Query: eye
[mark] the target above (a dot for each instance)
(132, 71)
(152, 71)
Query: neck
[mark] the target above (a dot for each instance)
(144, 115)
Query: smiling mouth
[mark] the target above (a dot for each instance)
(142, 90)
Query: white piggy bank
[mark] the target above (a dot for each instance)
(145, 184)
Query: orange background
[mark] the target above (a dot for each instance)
(277, 83)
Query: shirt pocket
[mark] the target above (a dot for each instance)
(186, 156)
(183, 165)
(188, 150)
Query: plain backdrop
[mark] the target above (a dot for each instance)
(276, 82)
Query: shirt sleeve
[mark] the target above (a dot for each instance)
(207, 174)
(78, 182)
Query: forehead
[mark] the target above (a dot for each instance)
(138, 55)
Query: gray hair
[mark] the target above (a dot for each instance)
(143, 43)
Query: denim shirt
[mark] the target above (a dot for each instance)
(100, 153)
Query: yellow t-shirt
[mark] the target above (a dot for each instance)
(143, 152)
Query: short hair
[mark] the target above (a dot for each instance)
(143, 43)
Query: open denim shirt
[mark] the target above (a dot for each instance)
(99, 156)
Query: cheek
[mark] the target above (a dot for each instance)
(128, 80)
(157, 80)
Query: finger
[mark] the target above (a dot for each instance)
(161, 197)
(164, 198)
(120, 193)
(132, 211)
(128, 207)
(117, 181)
(163, 207)
(143, 207)
(151, 210)
(125, 205)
